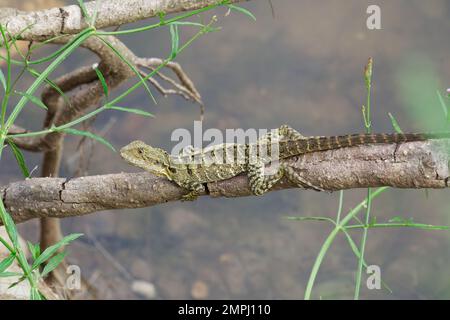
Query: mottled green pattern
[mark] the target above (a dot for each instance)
(192, 169)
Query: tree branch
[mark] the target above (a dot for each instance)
(410, 165)
(45, 24)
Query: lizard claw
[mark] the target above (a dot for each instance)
(189, 197)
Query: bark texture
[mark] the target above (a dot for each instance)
(409, 165)
(45, 24)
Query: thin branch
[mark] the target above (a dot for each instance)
(45, 24)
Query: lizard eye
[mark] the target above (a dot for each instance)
(140, 151)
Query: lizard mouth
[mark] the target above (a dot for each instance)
(158, 171)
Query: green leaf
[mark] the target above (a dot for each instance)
(132, 110)
(395, 123)
(89, 135)
(242, 10)
(205, 28)
(10, 228)
(33, 99)
(53, 263)
(19, 158)
(132, 67)
(94, 14)
(3, 80)
(17, 282)
(6, 244)
(9, 274)
(444, 106)
(102, 80)
(188, 23)
(84, 10)
(52, 84)
(175, 40)
(50, 251)
(6, 262)
(161, 16)
(311, 219)
(396, 219)
(35, 249)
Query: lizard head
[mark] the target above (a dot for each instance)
(153, 160)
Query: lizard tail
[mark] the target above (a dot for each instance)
(315, 144)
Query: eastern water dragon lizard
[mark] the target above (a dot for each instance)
(192, 170)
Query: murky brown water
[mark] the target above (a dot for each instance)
(302, 67)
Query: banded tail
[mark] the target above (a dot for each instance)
(315, 144)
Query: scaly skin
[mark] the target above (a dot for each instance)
(195, 168)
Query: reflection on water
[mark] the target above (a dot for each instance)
(303, 68)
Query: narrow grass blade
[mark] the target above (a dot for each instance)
(395, 123)
(19, 158)
(50, 251)
(94, 14)
(102, 81)
(311, 219)
(132, 67)
(3, 80)
(444, 107)
(53, 263)
(84, 10)
(9, 225)
(7, 245)
(10, 274)
(35, 249)
(6, 262)
(89, 135)
(33, 99)
(52, 84)
(422, 226)
(132, 110)
(188, 23)
(242, 10)
(175, 40)
(442, 103)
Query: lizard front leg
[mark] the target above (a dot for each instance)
(195, 189)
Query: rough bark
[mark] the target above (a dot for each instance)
(410, 165)
(44, 24)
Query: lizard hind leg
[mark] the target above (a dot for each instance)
(296, 178)
(287, 132)
(260, 183)
(284, 132)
